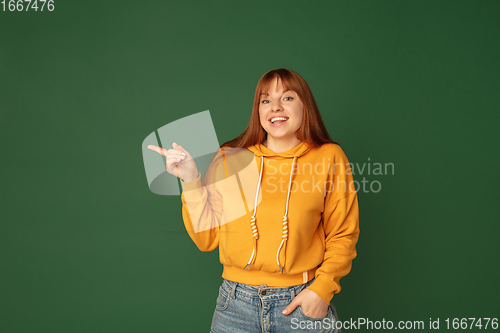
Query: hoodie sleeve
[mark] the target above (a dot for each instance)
(202, 212)
(341, 226)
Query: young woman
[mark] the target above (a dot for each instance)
(284, 258)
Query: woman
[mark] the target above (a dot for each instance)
(284, 258)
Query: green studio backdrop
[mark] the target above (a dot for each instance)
(86, 247)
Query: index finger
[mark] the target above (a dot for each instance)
(157, 149)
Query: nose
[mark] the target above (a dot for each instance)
(276, 105)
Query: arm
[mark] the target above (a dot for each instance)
(341, 225)
(202, 212)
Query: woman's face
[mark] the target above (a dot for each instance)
(280, 103)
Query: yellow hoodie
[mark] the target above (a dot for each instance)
(274, 226)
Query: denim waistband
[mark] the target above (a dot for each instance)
(231, 287)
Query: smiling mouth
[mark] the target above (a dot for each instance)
(278, 120)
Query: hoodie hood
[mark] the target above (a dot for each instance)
(262, 151)
(297, 151)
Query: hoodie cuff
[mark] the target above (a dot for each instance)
(324, 288)
(192, 185)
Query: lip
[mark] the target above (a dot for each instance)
(279, 124)
(277, 116)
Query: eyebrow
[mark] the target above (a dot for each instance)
(284, 91)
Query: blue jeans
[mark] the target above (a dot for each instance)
(245, 308)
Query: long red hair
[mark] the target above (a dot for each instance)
(312, 130)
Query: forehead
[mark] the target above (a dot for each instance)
(276, 87)
(278, 92)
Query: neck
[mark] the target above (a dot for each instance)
(280, 146)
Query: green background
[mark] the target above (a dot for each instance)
(86, 247)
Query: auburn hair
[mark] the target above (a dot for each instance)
(312, 130)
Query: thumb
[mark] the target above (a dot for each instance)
(290, 307)
(176, 146)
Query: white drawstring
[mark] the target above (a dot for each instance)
(253, 223)
(252, 220)
(285, 218)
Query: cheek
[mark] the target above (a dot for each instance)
(298, 118)
(262, 119)
(262, 114)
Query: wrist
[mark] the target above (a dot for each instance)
(190, 178)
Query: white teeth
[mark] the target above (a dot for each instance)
(278, 118)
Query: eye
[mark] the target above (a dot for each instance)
(264, 101)
(289, 97)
